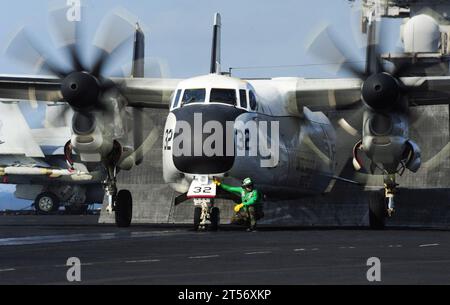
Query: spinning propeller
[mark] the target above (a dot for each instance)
(82, 78)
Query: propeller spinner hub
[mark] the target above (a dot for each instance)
(380, 91)
(81, 90)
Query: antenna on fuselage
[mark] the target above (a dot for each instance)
(216, 46)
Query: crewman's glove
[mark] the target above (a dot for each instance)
(217, 182)
(238, 207)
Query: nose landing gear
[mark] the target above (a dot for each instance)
(206, 215)
(203, 192)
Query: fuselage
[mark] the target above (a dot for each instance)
(227, 127)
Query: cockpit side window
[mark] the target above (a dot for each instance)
(253, 103)
(223, 96)
(244, 99)
(176, 101)
(194, 96)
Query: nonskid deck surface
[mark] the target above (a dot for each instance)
(34, 250)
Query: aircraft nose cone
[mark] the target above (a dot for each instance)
(202, 144)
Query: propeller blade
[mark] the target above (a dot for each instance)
(68, 37)
(122, 24)
(373, 63)
(326, 47)
(98, 66)
(148, 143)
(75, 58)
(138, 134)
(351, 121)
(23, 48)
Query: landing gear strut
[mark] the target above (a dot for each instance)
(382, 207)
(206, 215)
(119, 202)
(390, 188)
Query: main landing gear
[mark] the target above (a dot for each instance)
(119, 202)
(382, 208)
(206, 215)
(390, 188)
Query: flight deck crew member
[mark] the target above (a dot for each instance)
(250, 209)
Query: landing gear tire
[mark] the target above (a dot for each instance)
(197, 218)
(46, 203)
(124, 209)
(214, 219)
(377, 213)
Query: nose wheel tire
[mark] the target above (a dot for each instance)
(124, 209)
(197, 218)
(46, 203)
(214, 217)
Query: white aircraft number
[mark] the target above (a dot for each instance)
(168, 137)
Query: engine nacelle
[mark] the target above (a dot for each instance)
(88, 139)
(386, 144)
(413, 156)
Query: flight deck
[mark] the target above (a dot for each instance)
(34, 250)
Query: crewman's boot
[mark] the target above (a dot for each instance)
(252, 229)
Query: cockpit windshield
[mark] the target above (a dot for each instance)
(194, 96)
(253, 103)
(223, 96)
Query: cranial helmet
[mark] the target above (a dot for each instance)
(247, 182)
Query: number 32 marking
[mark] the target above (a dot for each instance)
(202, 190)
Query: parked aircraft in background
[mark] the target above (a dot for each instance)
(34, 160)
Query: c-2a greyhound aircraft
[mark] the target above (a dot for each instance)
(225, 127)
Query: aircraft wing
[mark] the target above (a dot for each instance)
(148, 92)
(327, 93)
(156, 93)
(321, 94)
(140, 93)
(29, 88)
(430, 90)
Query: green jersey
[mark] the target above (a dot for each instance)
(248, 198)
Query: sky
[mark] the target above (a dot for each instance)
(255, 33)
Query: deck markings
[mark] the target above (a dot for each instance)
(258, 252)
(204, 256)
(428, 245)
(143, 261)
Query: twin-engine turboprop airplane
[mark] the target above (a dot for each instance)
(222, 126)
